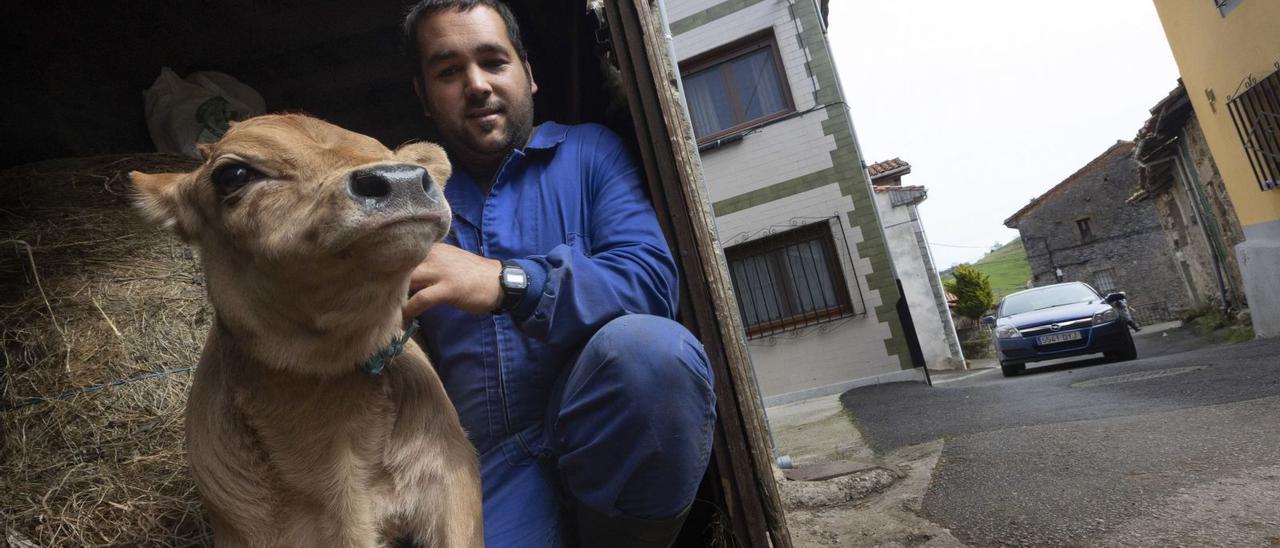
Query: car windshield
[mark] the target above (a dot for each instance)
(1048, 297)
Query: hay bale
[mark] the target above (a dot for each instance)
(100, 317)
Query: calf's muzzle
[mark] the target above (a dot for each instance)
(379, 186)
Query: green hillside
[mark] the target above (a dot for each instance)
(1007, 267)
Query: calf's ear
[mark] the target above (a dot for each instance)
(430, 156)
(157, 198)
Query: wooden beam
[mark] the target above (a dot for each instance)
(669, 154)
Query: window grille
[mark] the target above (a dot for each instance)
(1256, 114)
(1226, 6)
(1104, 281)
(734, 88)
(789, 280)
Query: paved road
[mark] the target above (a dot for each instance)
(1177, 448)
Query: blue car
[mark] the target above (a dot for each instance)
(1058, 321)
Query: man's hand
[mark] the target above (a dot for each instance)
(454, 277)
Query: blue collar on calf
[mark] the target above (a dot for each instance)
(376, 363)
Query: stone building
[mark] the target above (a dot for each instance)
(794, 208)
(909, 246)
(1177, 173)
(1085, 229)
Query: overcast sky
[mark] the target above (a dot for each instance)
(994, 102)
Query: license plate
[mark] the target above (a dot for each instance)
(1059, 337)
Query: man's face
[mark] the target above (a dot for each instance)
(472, 84)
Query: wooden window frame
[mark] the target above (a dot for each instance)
(734, 50)
(1085, 228)
(821, 232)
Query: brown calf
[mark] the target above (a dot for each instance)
(308, 234)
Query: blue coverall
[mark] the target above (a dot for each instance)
(588, 391)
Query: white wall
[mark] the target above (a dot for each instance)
(917, 284)
(825, 355)
(779, 151)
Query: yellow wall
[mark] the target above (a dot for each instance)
(1216, 53)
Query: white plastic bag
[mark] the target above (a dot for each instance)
(182, 113)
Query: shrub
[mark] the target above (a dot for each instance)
(1240, 333)
(1209, 321)
(972, 290)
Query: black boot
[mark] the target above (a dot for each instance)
(596, 530)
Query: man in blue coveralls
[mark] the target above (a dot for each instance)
(548, 310)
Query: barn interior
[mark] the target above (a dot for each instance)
(75, 72)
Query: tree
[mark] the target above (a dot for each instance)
(972, 289)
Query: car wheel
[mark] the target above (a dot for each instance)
(1011, 369)
(1128, 352)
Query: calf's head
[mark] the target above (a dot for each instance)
(302, 222)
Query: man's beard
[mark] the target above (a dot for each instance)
(466, 148)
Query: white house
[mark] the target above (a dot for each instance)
(909, 246)
(794, 208)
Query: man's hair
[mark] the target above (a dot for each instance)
(427, 8)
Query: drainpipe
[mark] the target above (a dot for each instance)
(1193, 186)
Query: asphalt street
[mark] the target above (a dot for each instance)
(1179, 447)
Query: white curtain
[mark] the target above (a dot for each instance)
(756, 87)
(756, 79)
(704, 92)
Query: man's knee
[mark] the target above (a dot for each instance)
(635, 424)
(648, 353)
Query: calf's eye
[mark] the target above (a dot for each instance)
(232, 177)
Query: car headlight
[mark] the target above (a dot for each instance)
(1106, 316)
(1008, 332)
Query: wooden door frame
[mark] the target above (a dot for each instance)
(742, 457)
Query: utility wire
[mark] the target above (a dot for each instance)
(964, 246)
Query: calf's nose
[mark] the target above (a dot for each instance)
(380, 184)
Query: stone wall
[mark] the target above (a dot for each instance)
(1179, 176)
(1195, 209)
(1221, 210)
(1124, 240)
(1192, 253)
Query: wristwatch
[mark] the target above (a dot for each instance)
(514, 282)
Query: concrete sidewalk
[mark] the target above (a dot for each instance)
(870, 501)
(1157, 328)
(816, 431)
(976, 368)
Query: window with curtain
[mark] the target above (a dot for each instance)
(789, 280)
(736, 87)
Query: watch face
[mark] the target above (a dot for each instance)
(514, 277)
